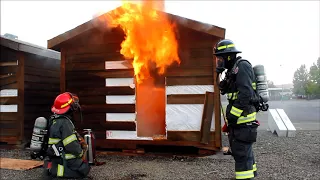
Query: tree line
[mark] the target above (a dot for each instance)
(307, 83)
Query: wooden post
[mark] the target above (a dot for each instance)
(217, 109)
(20, 82)
(63, 71)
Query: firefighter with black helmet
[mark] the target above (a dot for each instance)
(65, 146)
(239, 86)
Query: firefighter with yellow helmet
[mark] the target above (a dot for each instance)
(239, 86)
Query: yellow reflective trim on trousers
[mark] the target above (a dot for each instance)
(69, 156)
(254, 167)
(54, 140)
(60, 170)
(254, 85)
(249, 118)
(69, 139)
(244, 174)
(234, 97)
(235, 111)
(226, 46)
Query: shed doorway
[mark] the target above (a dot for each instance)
(150, 107)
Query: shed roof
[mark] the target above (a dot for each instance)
(56, 42)
(23, 46)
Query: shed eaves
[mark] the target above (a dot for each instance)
(56, 42)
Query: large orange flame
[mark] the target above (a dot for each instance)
(150, 38)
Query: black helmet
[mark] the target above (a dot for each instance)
(225, 46)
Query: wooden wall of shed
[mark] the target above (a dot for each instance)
(41, 86)
(36, 78)
(10, 124)
(83, 68)
(85, 75)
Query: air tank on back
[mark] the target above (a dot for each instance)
(39, 133)
(262, 84)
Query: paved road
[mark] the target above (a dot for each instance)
(305, 115)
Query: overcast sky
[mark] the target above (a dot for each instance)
(280, 35)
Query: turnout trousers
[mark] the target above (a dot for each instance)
(73, 168)
(241, 140)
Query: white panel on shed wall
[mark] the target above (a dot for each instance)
(185, 117)
(189, 89)
(119, 82)
(121, 99)
(131, 135)
(120, 116)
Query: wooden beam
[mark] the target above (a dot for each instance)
(217, 109)
(11, 79)
(20, 81)
(109, 108)
(9, 100)
(118, 65)
(185, 99)
(186, 136)
(8, 116)
(207, 118)
(8, 69)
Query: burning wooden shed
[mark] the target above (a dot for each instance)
(143, 84)
(29, 82)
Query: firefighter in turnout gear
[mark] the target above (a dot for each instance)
(239, 86)
(65, 147)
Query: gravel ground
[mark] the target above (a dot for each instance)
(277, 158)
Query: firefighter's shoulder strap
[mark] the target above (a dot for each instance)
(238, 60)
(57, 116)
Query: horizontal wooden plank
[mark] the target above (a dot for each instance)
(9, 132)
(9, 139)
(89, 66)
(8, 116)
(9, 86)
(95, 48)
(8, 55)
(8, 80)
(9, 124)
(37, 108)
(36, 61)
(42, 72)
(186, 99)
(102, 74)
(193, 72)
(33, 100)
(40, 94)
(92, 83)
(9, 100)
(11, 63)
(102, 91)
(118, 65)
(201, 53)
(8, 69)
(186, 135)
(128, 126)
(52, 87)
(95, 99)
(40, 79)
(109, 108)
(200, 80)
(94, 57)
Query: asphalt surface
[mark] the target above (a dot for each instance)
(277, 158)
(304, 114)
